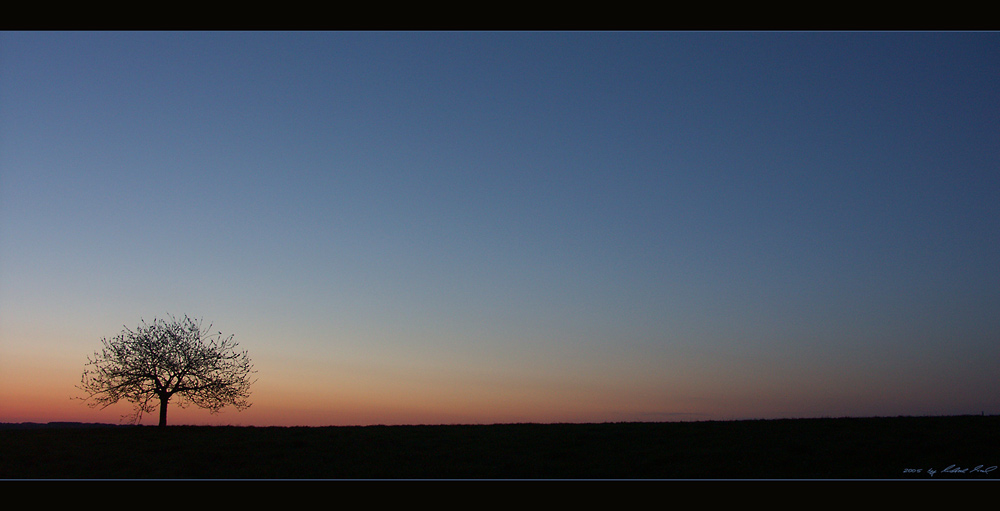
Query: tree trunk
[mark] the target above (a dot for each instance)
(163, 410)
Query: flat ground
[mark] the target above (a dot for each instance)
(963, 447)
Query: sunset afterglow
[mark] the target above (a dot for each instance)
(497, 227)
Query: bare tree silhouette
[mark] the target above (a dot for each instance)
(159, 360)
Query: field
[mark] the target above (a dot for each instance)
(961, 447)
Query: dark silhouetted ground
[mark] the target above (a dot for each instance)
(844, 448)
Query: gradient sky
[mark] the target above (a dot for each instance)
(481, 227)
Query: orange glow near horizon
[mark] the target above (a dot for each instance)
(30, 394)
(393, 387)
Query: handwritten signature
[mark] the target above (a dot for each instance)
(952, 469)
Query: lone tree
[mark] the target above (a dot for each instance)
(156, 361)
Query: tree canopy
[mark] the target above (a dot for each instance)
(156, 361)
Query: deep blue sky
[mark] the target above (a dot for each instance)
(565, 226)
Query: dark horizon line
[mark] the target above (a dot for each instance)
(72, 424)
